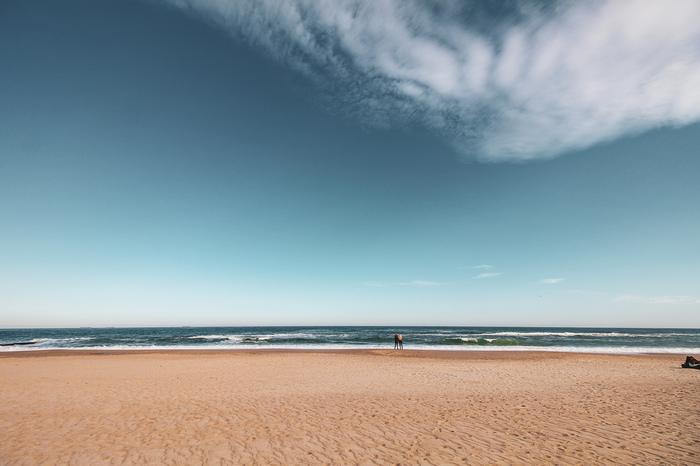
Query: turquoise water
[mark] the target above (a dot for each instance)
(598, 340)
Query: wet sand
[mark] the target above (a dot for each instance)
(346, 407)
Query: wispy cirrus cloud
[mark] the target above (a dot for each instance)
(628, 297)
(421, 283)
(518, 81)
(582, 292)
(415, 283)
(477, 267)
(488, 275)
(674, 300)
(659, 299)
(551, 281)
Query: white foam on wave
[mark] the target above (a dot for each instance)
(58, 341)
(566, 334)
(298, 335)
(217, 337)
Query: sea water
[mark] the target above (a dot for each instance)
(590, 340)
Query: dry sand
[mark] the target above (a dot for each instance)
(346, 407)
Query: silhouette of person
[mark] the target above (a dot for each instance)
(396, 341)
(400, 341)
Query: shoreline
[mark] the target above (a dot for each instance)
(417, 353)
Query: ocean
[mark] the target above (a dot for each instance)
(588, 340)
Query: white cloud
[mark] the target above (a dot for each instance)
(529, 83)
(421, 283)
(674, 300)
(482, 267)
(659, 299)
(551, 281)
(583, 292)
(488, 275)
(416, 283)
(375, 284)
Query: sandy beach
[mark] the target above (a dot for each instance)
(346, 407)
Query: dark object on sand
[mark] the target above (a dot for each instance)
(691, 363)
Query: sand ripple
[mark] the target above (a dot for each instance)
(375, 407)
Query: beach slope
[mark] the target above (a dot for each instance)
(346, 407)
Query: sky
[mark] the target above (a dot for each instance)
(293, 162)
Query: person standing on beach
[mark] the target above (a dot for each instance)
(396, 341)
(400, 341)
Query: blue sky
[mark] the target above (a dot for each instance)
(204, 162)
